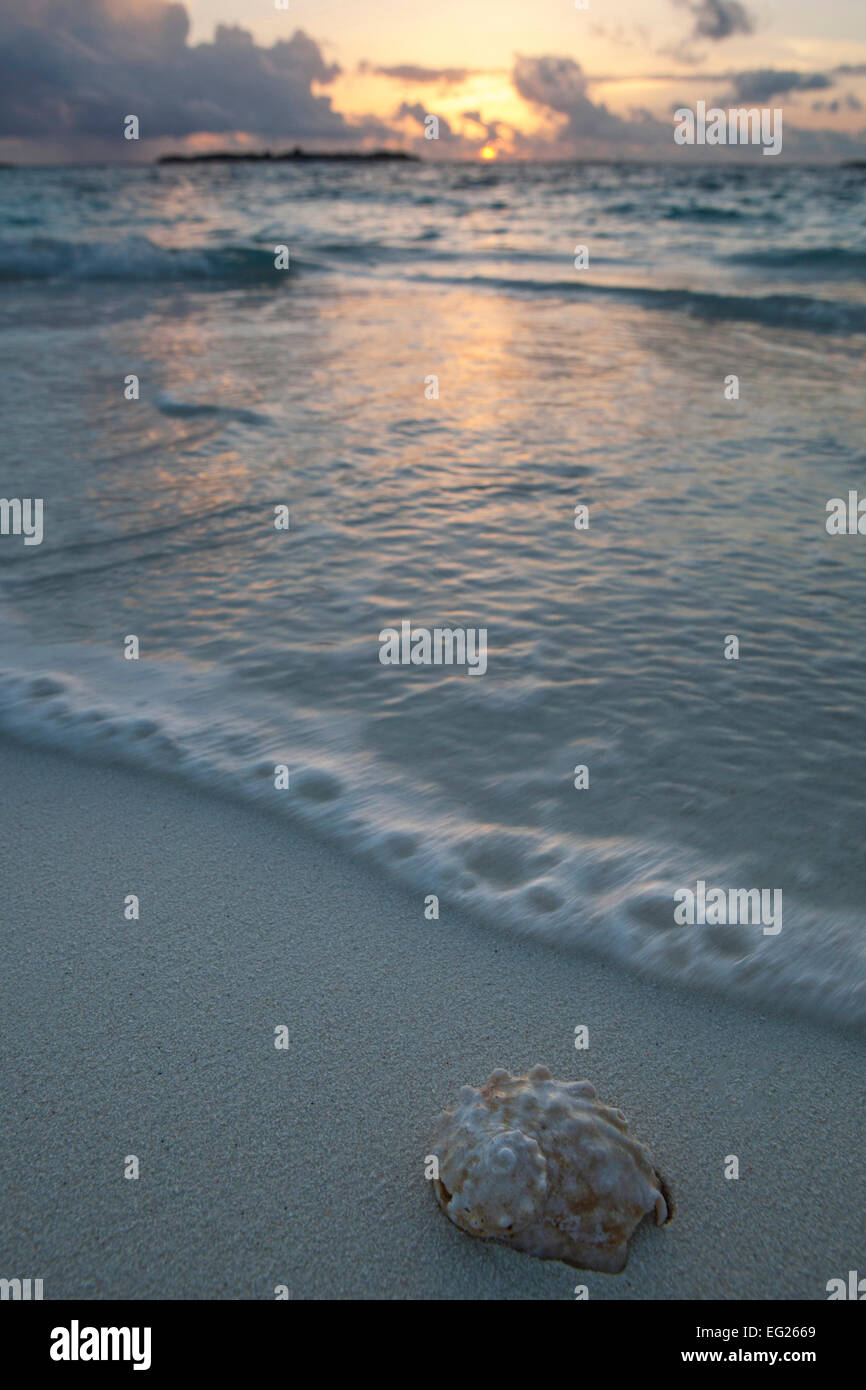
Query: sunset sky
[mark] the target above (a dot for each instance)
(511, 78)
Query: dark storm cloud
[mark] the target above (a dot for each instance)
(718, 19)
(417, 113)
(492, 129)
(846, 103)
(413, 73)
(77, 69)
(763, 83)
(560, 84)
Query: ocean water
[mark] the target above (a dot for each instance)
(602, 386)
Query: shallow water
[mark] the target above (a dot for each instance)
(557, 387)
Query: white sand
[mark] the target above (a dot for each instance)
(261, 1167)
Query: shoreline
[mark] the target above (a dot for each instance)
(304, 1167)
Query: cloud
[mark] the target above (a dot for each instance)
(847, 103)
(559, 84)
(587, 129)
(72, 72)
(718, 19)
(416, 112)
(457, 143)
(636, 35)
(761, 84)
(414, 73)
(492, 129)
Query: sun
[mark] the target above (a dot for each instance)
(489, 152)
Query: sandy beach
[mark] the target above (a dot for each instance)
(304, 1167)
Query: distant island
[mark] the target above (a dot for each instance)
(219, 156)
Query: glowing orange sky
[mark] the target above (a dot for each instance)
(625, 43)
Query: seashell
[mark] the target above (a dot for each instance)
(545, 1167)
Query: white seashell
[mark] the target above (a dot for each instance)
(545, 1167)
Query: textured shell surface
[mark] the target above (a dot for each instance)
(544, 1166)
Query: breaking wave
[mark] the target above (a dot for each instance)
(796, 311)
(133, 258)
(612, 896)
